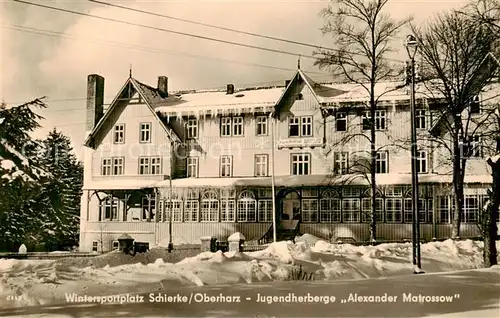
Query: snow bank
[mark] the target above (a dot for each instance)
(38, 282)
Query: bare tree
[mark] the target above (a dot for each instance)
(486, 13)
(362, 33)
(455, 59)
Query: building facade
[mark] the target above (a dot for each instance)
(204, 162)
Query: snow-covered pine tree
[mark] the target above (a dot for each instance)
(19, 175)
(61, 191)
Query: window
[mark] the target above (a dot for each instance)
(471, 209)
(475, 105)
(309, 210)
(422, 162)
(231, 126)
(306, 126)
(192, 167)
(294, 127)
(265, 208)
(471, 147)
(422, 212)
(143, 165)
(226, 166)
(119, 134)
(176, 211)
(118, 165)
(110, 209)
(106, 166)
(261, 165)
(227, 210)
(148, 208)
(225, 126)
(329, 210)
(192, 128)
(149, 165)
(299, 96)
(340, 163)
(366, 208)
(300, 164)
(382, 162)
(145, 132)
(155, 165)
(95, 246)
(115, 245)
(191, 210)
(420, 122)
(209, 211)
(350, 210)
(393, 210)
(300, 126)
(247, 207)
(380, 120)
(237, 126)
(444, 209)
(228, 205)
(341, 121)
(261, 123)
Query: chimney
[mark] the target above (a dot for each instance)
(163, 85)
(287, 82)
(230, 89)
(95, 100)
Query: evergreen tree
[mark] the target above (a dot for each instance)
(61, 191)
(19, 175)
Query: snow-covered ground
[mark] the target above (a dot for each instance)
(35, 282)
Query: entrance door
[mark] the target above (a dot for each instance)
(290, 207)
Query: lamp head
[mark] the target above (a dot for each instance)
(411, 45)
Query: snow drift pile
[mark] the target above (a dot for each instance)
(39, 282)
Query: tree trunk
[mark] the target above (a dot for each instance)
(458, 189)
(491, 215)
(373, 170)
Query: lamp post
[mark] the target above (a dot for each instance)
(171, 207)
(411, 47)
(273, 186)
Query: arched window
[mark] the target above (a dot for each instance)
(209, 207)
(247, 207)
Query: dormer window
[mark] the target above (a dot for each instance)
(341, 121)
(119, 134)
(420, 122)
(475, 105)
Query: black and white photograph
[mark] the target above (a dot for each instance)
(250, 158)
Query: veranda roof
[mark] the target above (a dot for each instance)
(316, 180)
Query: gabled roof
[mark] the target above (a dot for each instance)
(319, 91)
(149, 94)
(488, 66)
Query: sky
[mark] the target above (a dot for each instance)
(56, 66)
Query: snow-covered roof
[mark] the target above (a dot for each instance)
(386, 91)
(255, 99)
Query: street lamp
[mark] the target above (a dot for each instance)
(411, 47)
(273, 186)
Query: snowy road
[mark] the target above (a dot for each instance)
(465, 294)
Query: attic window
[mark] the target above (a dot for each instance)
(300, 96)
(239, 95)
